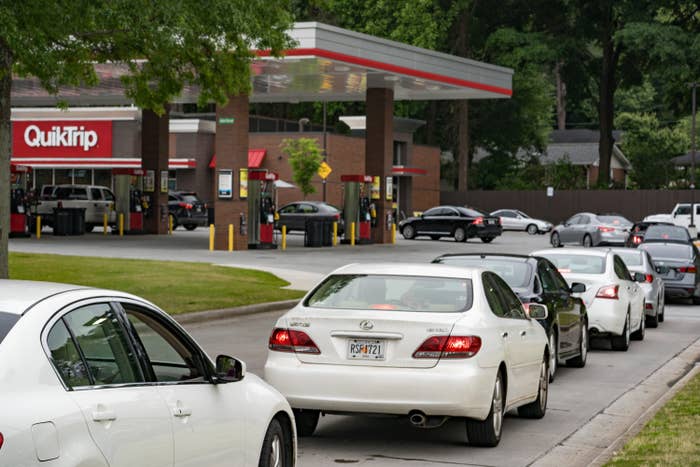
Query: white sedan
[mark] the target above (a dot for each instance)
(423, 341)
(513, 219)
(615, 302)
(103, 378)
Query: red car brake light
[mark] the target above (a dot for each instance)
(448, 347)
(605, 229)
(185, 205)
(648, 278)
(289, 340)
(609, 291)
(2, 440)
(692, 269)
(478, 221)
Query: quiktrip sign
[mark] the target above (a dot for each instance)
(62, 138)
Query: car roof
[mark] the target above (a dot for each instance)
(575, 251)
(17, 296)
(623, 250)
(409, 269)
(524, 258)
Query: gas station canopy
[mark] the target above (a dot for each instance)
(327, 64)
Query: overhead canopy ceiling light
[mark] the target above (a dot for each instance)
(341, 68)
(392, 78)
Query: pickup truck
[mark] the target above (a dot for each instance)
(680, 215)
(96, 200)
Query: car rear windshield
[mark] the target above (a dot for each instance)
(190, 198)
(516, 272)
(7, 320)
(630, 258)
(668, 251)
(666, 232)
(393, 293)
(471, 212)
(578, 264)
(614, 220)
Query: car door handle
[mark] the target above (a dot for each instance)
(523, 333)
(103, 415)
(182, 412)
(504, 335)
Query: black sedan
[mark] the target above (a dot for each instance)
(452, 221)
(186, 209)
(294, 215)
(639, 230)
(536, 280)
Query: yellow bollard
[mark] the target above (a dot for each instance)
(121, 224)
(284, 237)
(393, 233)
(230, 237)
(352, 234)
(104, 224)
(170, 225)
(335, 234)
(211, 237)
(38, 227)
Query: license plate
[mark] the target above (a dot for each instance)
(199, 208)
(366, 349)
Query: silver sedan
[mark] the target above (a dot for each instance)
(512, 219)
(588, 229)
(639, 262)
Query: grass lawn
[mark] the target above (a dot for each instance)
(176, 287)
(671, 437)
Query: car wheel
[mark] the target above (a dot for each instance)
(532, 229)
(538, 407)
(487, 239)
(661, 307)
(488, 432)
(435, 237)
(277, 447)
(580, 360)
(587, 241)
(190, 226)
(638, 335)
(555, 240)
(89, 228)
(622, 342)
(554, 354)
(306, 421)
(460, 234)
(408, 232)
(653, 321)
(695, 300)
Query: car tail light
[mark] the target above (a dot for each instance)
(448, 347)
(478, 221)
(648, 278)
(185, 205)
(605, 229)
(2, 440)
(636, 239)
(609, 291)
(649, 306)
(692, 269)
(289, 340)
(337, 216)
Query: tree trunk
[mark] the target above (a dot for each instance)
(5, 150)
(606, 102)
(561, 98)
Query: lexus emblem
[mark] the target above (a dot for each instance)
(366, 325)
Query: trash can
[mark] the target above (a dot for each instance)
(327, 239)
(62, 222)
(78, 220)
(313, 233)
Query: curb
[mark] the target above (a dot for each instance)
(225, 313)
(596, 441)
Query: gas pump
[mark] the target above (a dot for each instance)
(357, 207)
(19, 207)
(128, 189)
(261, 209)
(135, 210)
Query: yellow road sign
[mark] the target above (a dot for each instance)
(324, 170)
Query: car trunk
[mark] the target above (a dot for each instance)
(593, 283)
(391, 337)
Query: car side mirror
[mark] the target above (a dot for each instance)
(639, 277)
(578, 287)
(536, 311)
(229, 369)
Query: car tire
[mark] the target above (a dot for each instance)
(555, 240)
(638, 335)
(622, 342)
(277, 449)
(190, 226)
(695, 300)
(538, 408)
(587, 241)
(460, 234)
(306, 421)
(89, 228)
(653, 321)
(532, 229)
(487, 433)
(662, 313)
(408, 232)
(487, 239)
(435, 237)
(553, 354)
(580, 360)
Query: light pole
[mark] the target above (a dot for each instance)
(325, 156)
(693, 86)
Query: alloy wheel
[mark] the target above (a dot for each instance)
(553, 355)
(497, 406)
(587, 241)
(276, 456)
(532, 229)
(556, 242)
(584, 341)
(627, 329)
(460, 234)
(544, 386)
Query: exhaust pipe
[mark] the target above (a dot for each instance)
(419, 420)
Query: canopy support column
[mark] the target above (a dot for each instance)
(155, 134)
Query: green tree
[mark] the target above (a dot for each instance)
(305, 157)
(164, 45)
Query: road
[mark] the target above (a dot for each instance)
(576, 396)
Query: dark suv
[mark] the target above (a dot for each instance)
(186, 209)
